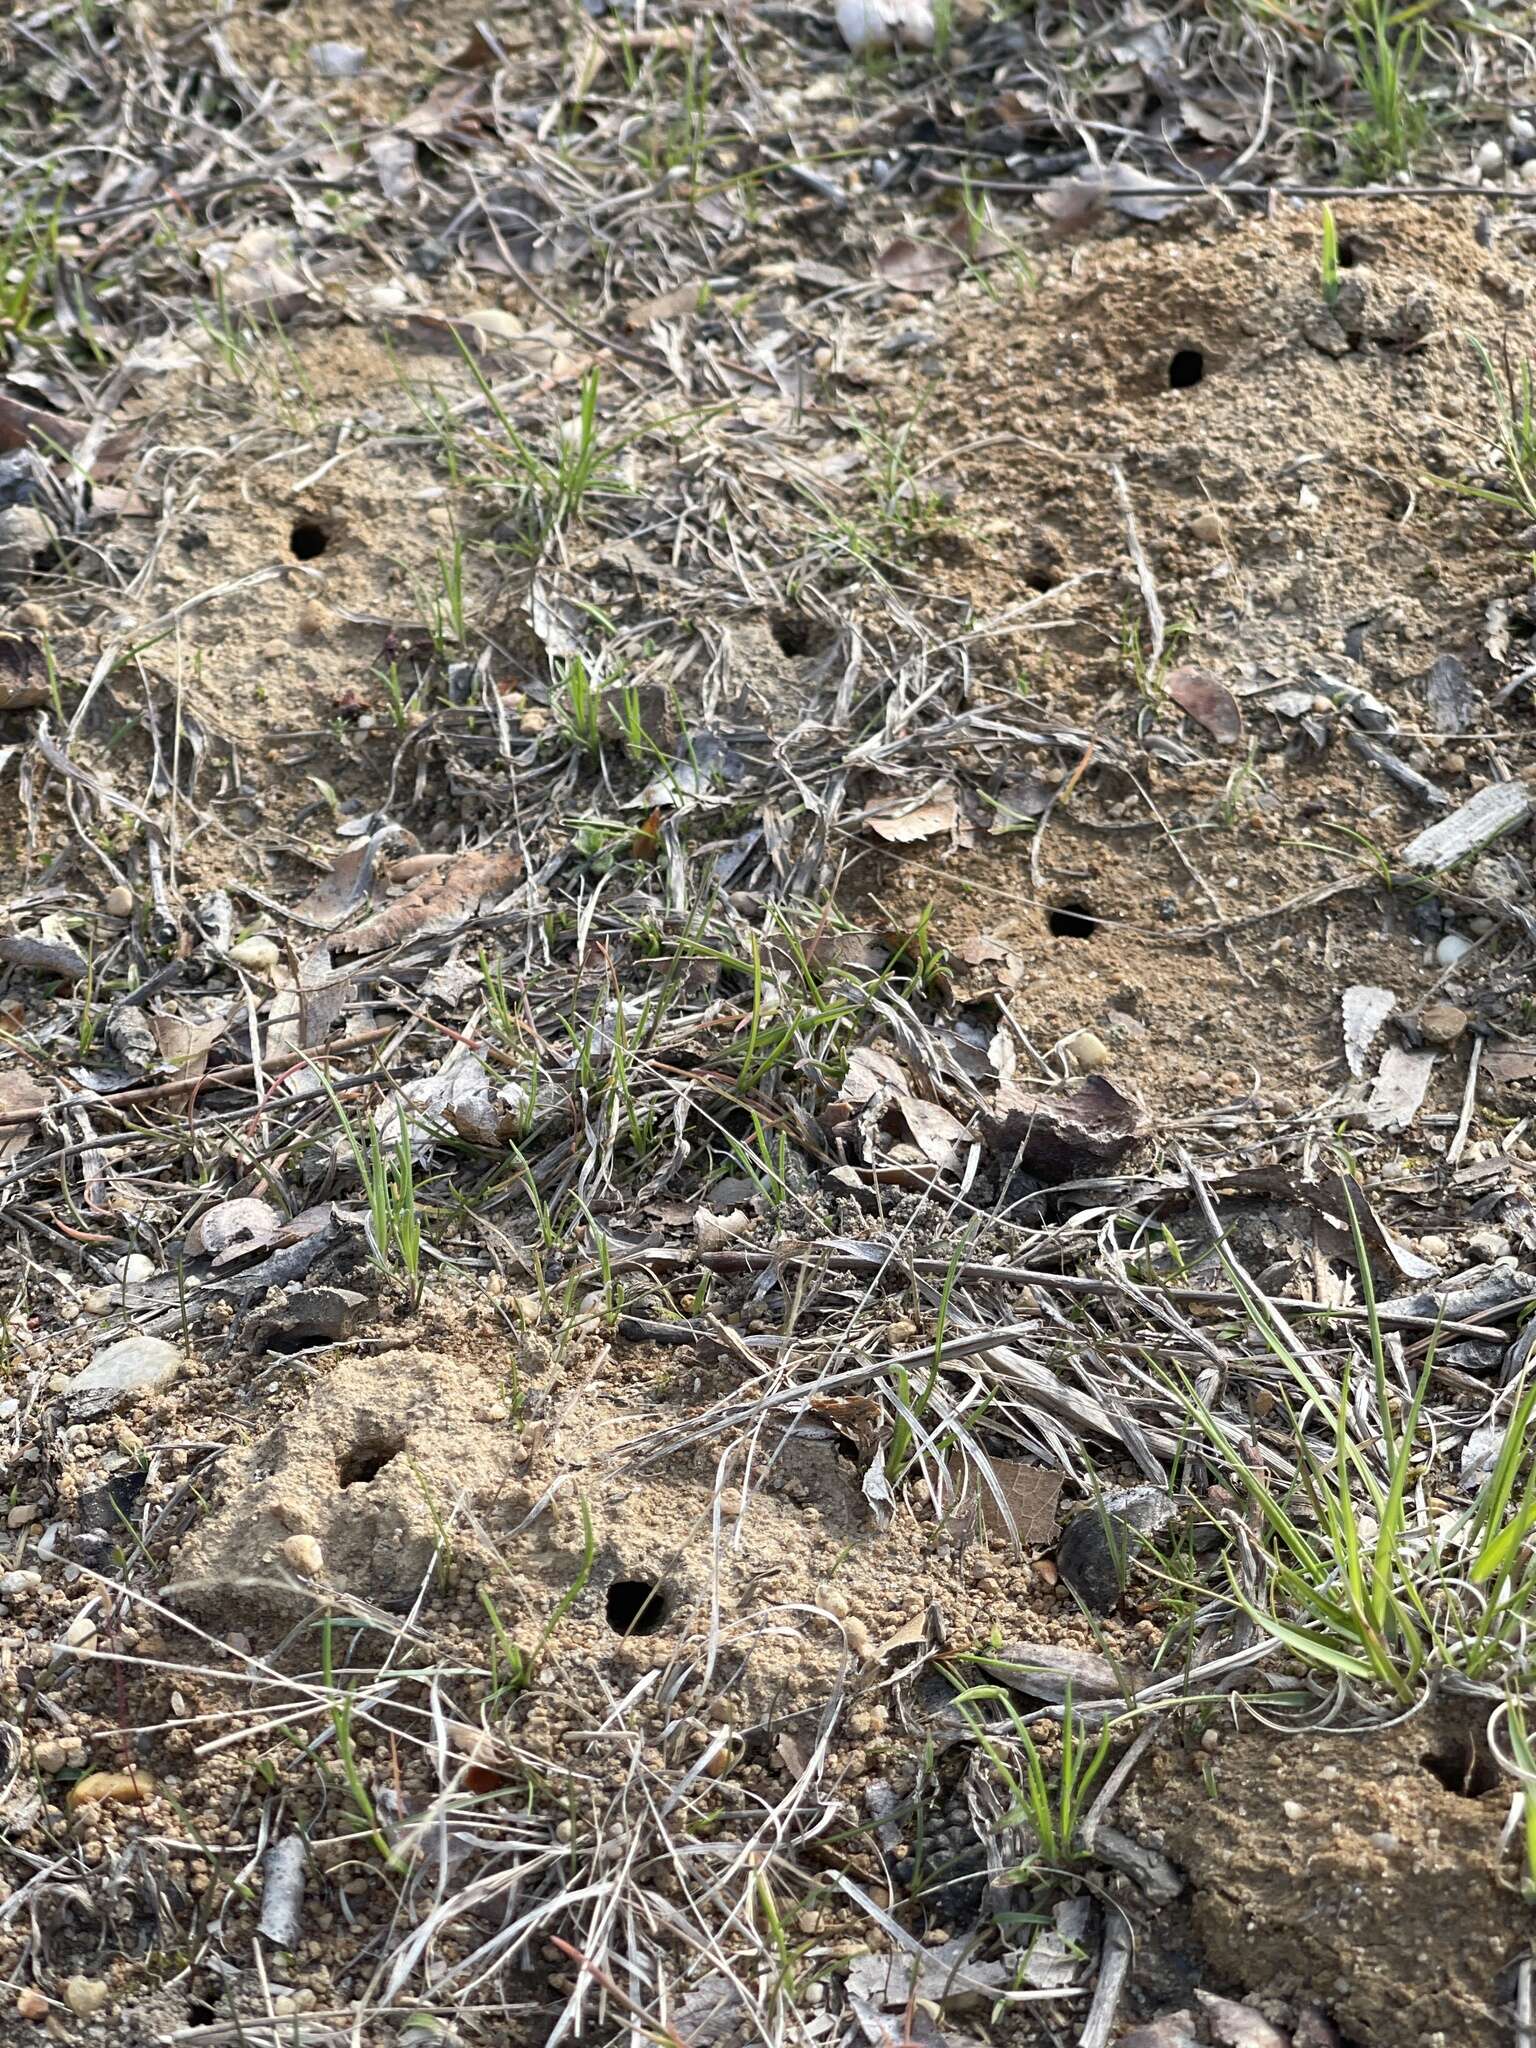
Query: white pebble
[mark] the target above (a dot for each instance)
(134, 1270)
(1452, 947)
(13, 1584)
(1490, 158)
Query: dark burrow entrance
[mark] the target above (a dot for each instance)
(1186, 369)
(1071, 921)
(635, 1607)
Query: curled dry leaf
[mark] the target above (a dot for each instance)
(1208, 701)
(448, 897)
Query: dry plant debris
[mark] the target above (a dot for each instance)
(766, 1040)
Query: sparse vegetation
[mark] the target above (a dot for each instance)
(688, 1070)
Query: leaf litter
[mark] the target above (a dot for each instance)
(660, 1317)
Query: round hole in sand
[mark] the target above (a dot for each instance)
(1462, 1768)
(635, 1607)
(1185, 369)
(1071, 921)
(365, 1461)
(307, 540)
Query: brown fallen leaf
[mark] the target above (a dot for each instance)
(1208, 701)
(438, 902)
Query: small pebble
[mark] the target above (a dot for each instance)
(1490, 158)
(85, 1996)
(81, 1633)
(118, 902)
(1207, 526)
(133, 1270)
(50, 1756)
(1436, 1248)
(31, 2005)
(1452, 947)
(1293, 1810)
(1442, 1023)
(259, 955)
(14, 1583)
(304, 1554)
(1210, 1740)
(19, 1516)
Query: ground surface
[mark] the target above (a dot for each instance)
(767, 1242)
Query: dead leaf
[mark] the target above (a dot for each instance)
(1402, 1080)
(925, 819)
(1365, 1009)
(1208, 701)
(1511, 1063)
(1032, 1492)
(438, 903)
(1063, 1137)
